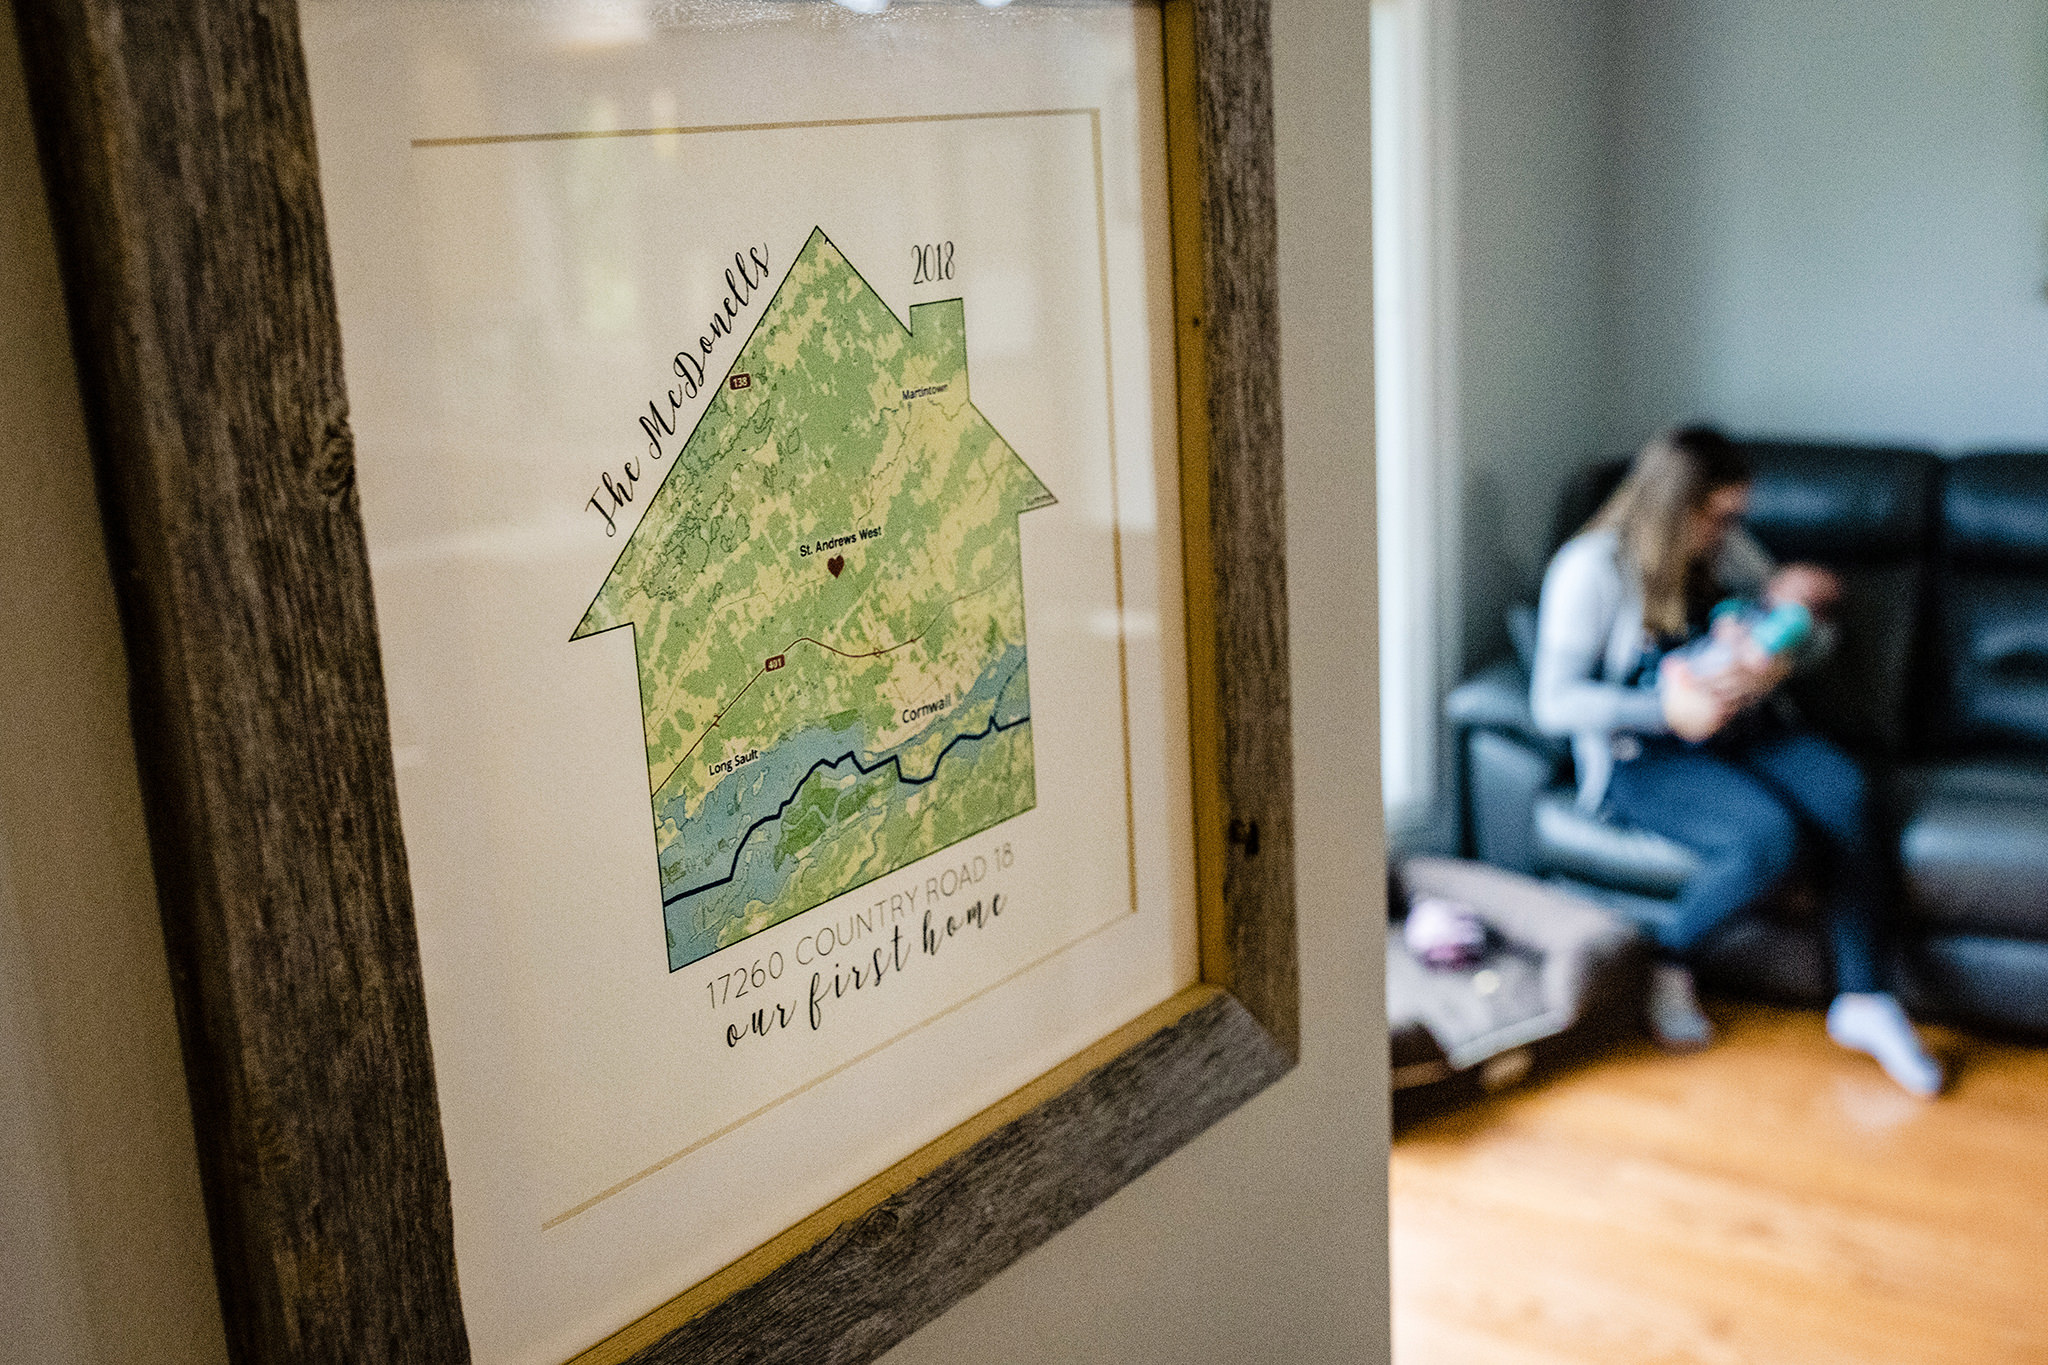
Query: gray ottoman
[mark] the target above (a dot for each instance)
(1561, 975)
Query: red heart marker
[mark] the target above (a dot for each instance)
(835, 564)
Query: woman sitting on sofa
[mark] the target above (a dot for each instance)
(1720, 763)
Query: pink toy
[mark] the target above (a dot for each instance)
(1444, 933)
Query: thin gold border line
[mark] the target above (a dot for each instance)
(496, 139)
(1116, 513)
(1116, 550)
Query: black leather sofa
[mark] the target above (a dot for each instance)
(1939, 681)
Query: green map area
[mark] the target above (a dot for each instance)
(827, 606)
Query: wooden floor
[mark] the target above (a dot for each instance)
(1772, 1200)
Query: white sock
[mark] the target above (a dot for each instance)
(1873, 1022)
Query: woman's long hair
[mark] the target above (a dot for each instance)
(1672, 477)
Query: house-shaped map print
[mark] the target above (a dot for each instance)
(827, 604)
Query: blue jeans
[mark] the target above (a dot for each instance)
(1741, 805)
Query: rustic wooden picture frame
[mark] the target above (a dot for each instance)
(178, 147)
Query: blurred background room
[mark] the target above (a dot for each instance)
(1822, 228)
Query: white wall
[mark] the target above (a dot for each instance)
(1531, 230)
(1836, 218)
(1266, 1239)
(1818, 218)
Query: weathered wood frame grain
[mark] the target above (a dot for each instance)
(178, 149)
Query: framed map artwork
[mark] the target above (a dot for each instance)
(704, 582)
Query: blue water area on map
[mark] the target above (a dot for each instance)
(708, 883)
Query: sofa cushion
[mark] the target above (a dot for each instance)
(1994, 511)
(1861, 693)
(1762, 955)
(1990, 602)
(1583, 494)
(1863, 511)
(1994, 647)
(1974, 846)
(1993, 983)
(1843, 505)
(1586, 847)
(1768, 958)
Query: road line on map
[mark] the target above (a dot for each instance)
(989, 586)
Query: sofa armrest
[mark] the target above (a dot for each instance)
(1502, 779)
(1503, 764)
(1497, 698)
